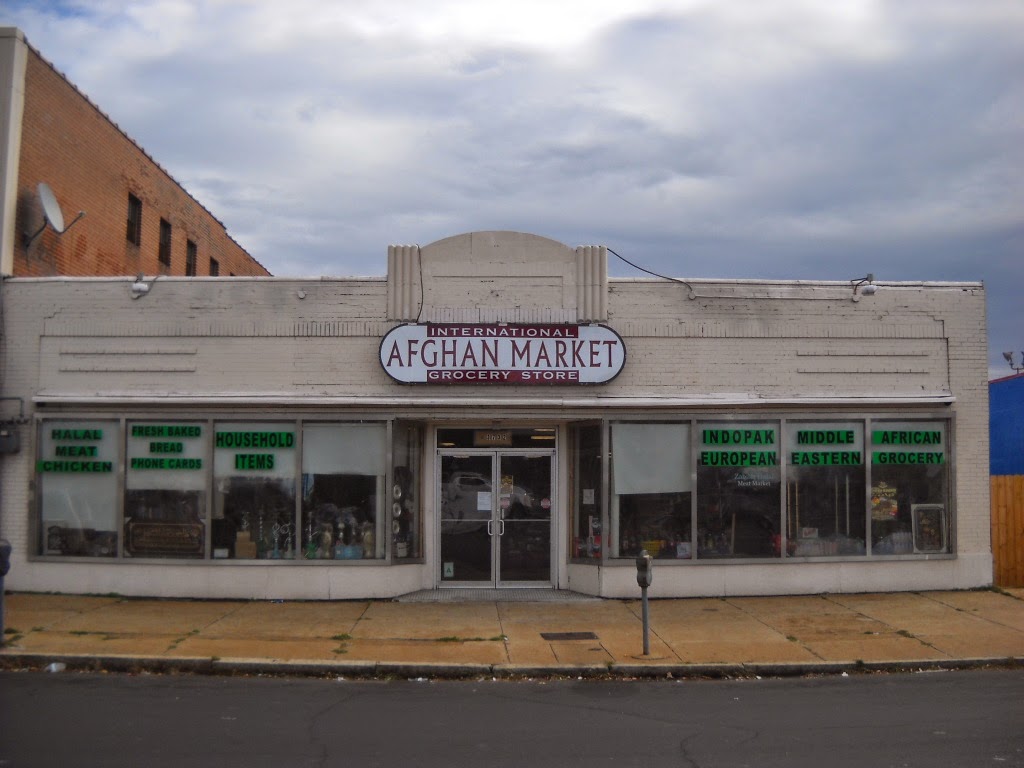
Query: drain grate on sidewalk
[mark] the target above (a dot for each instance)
(568, 635)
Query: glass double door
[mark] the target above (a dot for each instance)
(495, 518)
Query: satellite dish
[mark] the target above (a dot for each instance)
(51, 208)
(52, 214)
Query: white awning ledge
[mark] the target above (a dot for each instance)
(454, 401)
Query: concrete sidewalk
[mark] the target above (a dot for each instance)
(369, 638)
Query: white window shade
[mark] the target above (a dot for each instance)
(80, 500)
(344, 449)
(650, 458)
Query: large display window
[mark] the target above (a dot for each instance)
(738, 484)
(406, 510)
(254, 465)
(809, 487)
(909, 487)
(853, 488)
(586, 499)
(229, 489)
(825, 512)
(650, 494)
(343, 468)
(165, 489)
(77, 479)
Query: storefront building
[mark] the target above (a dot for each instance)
(495, 412)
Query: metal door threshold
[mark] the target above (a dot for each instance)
(511, 595)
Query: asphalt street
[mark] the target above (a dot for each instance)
(929, 719)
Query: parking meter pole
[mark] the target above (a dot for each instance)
(644, 577)
(647, 643)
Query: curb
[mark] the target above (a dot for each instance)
(370, 670)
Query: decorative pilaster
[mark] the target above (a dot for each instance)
(404, 278)
(591, 283)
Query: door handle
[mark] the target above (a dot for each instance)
(490, 527)
(501, 531)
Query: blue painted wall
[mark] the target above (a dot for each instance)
(1006, 425)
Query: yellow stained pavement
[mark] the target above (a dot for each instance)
(799, 630)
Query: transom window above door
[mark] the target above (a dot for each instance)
(497, 437)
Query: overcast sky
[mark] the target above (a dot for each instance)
(749, 138)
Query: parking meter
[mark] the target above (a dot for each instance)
(644, 576)
(644, 570)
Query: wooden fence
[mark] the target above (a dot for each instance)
(1008, 530)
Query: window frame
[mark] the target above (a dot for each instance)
(948, 500)
(134, 223)
(586, 542)
(164, 250)
(640, 503)
(869, 421)
(837, 459)
(121, 428)
(103, 484)
(165, 458)
(191, 258)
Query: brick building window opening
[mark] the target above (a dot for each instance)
(165, 243)
(134, 219)
(214, 267)
(190, 259)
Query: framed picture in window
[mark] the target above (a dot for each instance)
(929, 527)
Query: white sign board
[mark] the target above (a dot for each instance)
(432, 353)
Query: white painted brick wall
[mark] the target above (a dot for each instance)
(250, 338)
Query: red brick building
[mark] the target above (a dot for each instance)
(138, 219)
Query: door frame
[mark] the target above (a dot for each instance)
(495, 582)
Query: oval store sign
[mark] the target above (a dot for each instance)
(502, 354)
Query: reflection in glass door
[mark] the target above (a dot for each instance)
(467, 518)
(524, 518)
(488, 538)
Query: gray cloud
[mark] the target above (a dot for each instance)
(783, 139)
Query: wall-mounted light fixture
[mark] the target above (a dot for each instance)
(1017, 368)
(140, 287)
(864, 286)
